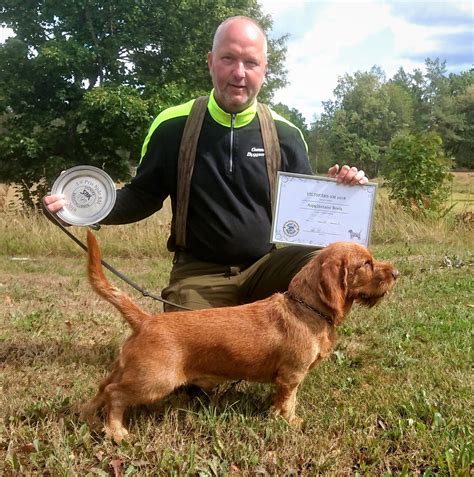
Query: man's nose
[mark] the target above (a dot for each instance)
(239, 70)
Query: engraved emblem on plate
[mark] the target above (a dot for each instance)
(86, 194)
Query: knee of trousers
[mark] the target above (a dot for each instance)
(187, 297)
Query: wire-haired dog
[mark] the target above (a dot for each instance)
(276, 340)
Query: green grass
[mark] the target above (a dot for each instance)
(395, 397)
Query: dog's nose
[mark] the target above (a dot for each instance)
(395, 273)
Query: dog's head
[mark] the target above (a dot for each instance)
(340, 274)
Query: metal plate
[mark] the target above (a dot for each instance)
(89, 193)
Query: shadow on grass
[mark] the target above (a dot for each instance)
(35, 351)
(224, 403)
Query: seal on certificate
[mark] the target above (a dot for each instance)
(291, 228)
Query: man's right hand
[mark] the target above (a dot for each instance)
(54, 203)
(51, 205)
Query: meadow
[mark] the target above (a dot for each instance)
(394, 398)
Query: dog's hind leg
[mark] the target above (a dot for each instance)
(119, 396)
(89, 409)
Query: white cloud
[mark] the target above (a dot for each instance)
(345, 36)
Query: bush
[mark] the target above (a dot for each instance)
(417, 172)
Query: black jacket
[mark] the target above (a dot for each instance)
(229, 215)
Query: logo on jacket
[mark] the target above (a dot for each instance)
(256, 152)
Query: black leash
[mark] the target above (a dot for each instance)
(145, 293)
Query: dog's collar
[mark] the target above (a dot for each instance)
(299, 300)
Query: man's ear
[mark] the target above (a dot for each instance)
(264, 77)
(209, 60)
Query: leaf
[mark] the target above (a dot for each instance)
(28, 448)
(116, 465)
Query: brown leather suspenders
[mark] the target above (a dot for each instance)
(271, 146)
(187, 155)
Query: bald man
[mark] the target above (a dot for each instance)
(228, 259)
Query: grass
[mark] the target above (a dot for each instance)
(395, 398)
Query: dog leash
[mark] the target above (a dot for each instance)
(119, 274)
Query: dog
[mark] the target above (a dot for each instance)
(354, 235)
(275, 340)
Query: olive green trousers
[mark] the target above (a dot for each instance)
(196, 284)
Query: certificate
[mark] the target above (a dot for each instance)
(313, 210)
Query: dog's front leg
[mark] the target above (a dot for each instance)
(284, 403)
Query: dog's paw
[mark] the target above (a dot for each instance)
(117, 434)
(296, 422)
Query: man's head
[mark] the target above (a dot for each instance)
(237, 63)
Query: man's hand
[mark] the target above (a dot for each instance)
(348, 175)
(54, 203)
(51, 204)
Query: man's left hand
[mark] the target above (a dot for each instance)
(348, 175)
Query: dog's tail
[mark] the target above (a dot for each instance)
(130, 311)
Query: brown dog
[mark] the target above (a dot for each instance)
(276, 340)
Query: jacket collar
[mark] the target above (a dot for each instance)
(224, 119)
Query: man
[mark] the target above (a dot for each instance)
(228, 259)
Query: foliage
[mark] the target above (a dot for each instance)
(417, 171)
(292, 115)
(368, 110)
(463, 149)
(442, 103)
(358, 124)
(80, 82)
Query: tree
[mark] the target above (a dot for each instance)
(437, 106)
(367, 111)
(292, 115)
(81, 81)
(463, 149)
(417, 171)
(415, 84)
(356, 127)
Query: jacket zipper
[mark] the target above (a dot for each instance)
(231, 156)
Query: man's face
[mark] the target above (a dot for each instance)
(237, 66)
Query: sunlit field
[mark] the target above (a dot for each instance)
(395, 397)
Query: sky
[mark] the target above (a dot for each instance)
(328, 39)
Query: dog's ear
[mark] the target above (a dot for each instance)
(323, 281)
(332, 285)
